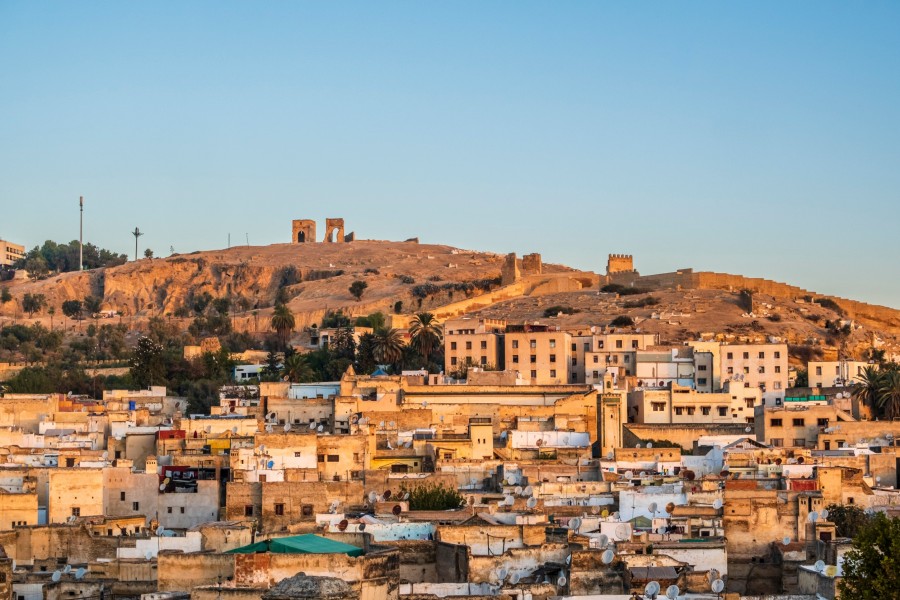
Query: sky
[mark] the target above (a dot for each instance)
(757, 138)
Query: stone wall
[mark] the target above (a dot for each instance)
(683, 435)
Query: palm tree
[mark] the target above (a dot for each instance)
(866, 391)
(297, 370)
(889, 394)
(387, 346)
(283, 322)
(425, 334)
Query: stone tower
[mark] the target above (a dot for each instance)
(619, 263)
(303, 231)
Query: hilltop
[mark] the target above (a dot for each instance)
(315, 278)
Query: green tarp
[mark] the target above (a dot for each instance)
(300, 544)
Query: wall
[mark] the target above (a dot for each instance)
(74, 488)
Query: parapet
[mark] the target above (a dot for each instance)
(619, 263)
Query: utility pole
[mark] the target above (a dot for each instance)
(81, 234)
(136, 233)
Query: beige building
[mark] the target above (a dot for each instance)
(798, 425)
(682, 404)
(477, 342)
(613, 353)
(835, 372)
(10, 253)
(74, 492)
(763, 366)
(541, 355)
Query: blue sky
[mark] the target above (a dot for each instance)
(753, 138)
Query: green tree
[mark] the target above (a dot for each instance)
(37, 268)
(848, 519)
(32, 303)
(147, 363)
(432, 496)
(889, 394)
(801, 379)
(387, 346)
(73, 308)
(872, 566)
(273, 366)
(622, 321)
(5, 296)
(283, 323)
(92, 305)
(357, 288)
(365, 354)
(297, 369)
(425, 334)
(148, 253)
(866, 390)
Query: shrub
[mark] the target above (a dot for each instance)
(622, 290)
(431, 496)
(555, 310)
(647, 301)
(406, 279)
(622, 321)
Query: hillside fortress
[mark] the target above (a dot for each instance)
(303, 231)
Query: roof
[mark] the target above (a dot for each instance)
(300, 544)
(653, 573)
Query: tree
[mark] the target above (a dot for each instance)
(33, 303)
(72, 308)
(37, 268)
(92, 305)
(848, 519)
(866, 390)
(889, 394)
(801, 379)
(297, 369)
(51, 311)
(147, 363)
(425, 334)
(387, 346)
(283, 322)
(5, 296)
(357, 288)
(431, 496)
(622, 321)
(870, 568)
(148, 253)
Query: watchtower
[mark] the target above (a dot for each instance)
(619, 263)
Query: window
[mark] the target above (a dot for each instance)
(777, 354)
(775, 422)
(818, 370)
(730, 370)
(306, 510)
(690, 410)
(762, 354)
(453, 360)
(76, 511)
(169, 510)
(122, 496)
(799, 423)
(746, 356)
(552, 344)
(679, 410)
(658, 406)
(574, 347)
(762, 369)
(534, 358)
(701, 381)
(599, 344)
(135, 506)
(483, 360)
(701, 367)
(552, 372)
(627, 359)
(453, 345)
(749, 402)
(534, 374)
(822, 422)
(484, 345)
(704, 410)
(515, 358)
(587, 346)
(799, 442)
(778, 368)
(729, 356)
(776, 385)
(532, 343)
(634, 344)
(746, 370)
(596, 359)
(777, 442)
(321, 458)
(468, 345)
(356, 457)
(515, 343)
(723, 411)
(248, 510)
(182, 510)
(574, 361)
(279, 509)
(618, 343)
(552, 358)
(333, 458)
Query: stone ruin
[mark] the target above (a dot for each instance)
(513, 269)
(620, 263)
(303, 231)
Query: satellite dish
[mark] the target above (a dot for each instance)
(270, 464)
(508, 500)
(148, 555)
(629, 474)
(649, 444)
(311, 426)
(569, 559)
(820, 565)
(528, 491)
(786, 541)
(518, 490)
(622, 532)
(79, 574)
(234, 430)
(878, 479)
(562, 581)
(514, 578)
(287, 427)
(531, 502)
(717, 503)
(56, 576)
(813, 517)
(748, 429)
(672, 592)
(162, 487)
(607, 556)
(269, 429)
(595, 510)
(342, 526)
(652, 508)
(604, 540)
(718, 586)
(575, 523)
(387, 494)
(652, 589)
(824, 514)
(373, 497)
(160, 530)
(362, 526)
(670, 507)
(105, 456)
(501, 573)
(638, 445)
(320, 428)
(604, 513)
(397, 510)
(67, 569)
(406, 496)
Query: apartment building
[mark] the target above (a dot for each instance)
(763, 366)
(10, 253)
(679, 404)
(614, 354)
(541, 354)
(477, 342)
(835, 372)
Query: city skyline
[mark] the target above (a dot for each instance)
(751, 140)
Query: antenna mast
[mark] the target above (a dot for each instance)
(81, 234)
(136, 233)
